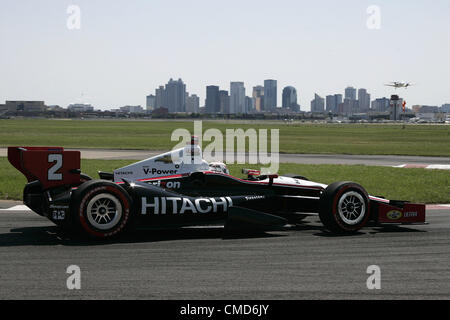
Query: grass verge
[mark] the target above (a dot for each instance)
(370, 139)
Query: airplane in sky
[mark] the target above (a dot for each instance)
(398, 84)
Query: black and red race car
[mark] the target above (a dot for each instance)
(163, 192)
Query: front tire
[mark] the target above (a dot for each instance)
(101, 208)
(344, 207)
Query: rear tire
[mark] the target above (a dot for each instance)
(344, 207)
(101, 208)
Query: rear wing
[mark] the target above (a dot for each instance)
(52, 166)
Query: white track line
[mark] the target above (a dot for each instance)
(437, 206)
(18, 208)
(439, 166)
(424, 166)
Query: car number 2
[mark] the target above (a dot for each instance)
(57, 159)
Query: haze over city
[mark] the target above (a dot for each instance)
(123, 50)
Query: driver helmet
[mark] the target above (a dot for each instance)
(219, 167)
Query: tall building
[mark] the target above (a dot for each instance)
(192, 103)
(237, 97)
(363, 100)
(150, 102)
(350, 93)
(380, 104)
(249, 104)
(224, 100)
(445, 108)
(212, 103)
(318, 104)
(367, 103)
(175, 94)
(289, 97)
(338, 99)
(349, 107)
(160, 98)
(270, 94)
(331, 103)
(258, 98)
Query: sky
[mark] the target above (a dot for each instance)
(123, 50)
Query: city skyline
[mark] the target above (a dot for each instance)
(218, 103)
(123, 50)
(353, 101)
(174, 97)
(262, 99)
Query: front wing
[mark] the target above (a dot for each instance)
(397, 212)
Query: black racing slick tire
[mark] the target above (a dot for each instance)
(101, 208)
(344, 207)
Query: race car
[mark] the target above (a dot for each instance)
(179, 188)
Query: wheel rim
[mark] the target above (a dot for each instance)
(104, 211)
(352, 208)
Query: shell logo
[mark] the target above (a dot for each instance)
(394, 215)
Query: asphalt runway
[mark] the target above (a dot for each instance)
(301, 262)
(372, 160)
